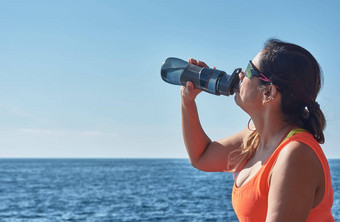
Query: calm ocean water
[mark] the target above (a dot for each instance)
(119, 190)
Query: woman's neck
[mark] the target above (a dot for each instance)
(271, 130)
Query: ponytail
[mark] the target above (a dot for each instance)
(314, 121)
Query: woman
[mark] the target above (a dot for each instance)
(282, 173)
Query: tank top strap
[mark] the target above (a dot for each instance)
(293, 132)
(309, 140)
(268, 165)
(300, 136)
(283, 143)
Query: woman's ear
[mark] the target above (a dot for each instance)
(269, 93)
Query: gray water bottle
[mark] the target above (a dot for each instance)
(179, 72)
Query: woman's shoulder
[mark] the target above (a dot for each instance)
(301, 148)
(298, 162)
(297, 152)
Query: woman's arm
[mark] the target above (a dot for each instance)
(203, 153)
(296, 184)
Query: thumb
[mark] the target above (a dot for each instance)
(190, 85)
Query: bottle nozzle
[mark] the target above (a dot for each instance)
(228, 84)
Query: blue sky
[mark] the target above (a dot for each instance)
(82, 78)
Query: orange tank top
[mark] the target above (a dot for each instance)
(250, 201)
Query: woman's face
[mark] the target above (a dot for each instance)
(248, 96)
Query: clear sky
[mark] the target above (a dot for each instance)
(82, 78)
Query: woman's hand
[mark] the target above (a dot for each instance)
(189, 92)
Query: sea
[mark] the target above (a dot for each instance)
(119, 190)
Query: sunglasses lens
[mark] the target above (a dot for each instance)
(248, 71)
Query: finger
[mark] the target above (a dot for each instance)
(192, 61)
(200, 63)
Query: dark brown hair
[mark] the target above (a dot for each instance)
(299, 78)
